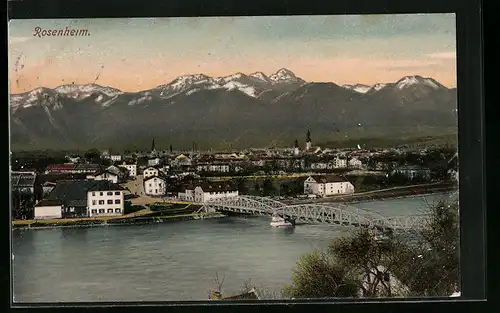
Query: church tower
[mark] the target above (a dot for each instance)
(308, 140)
(153, 148)
(296, 148)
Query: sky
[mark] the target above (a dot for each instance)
(140, 54)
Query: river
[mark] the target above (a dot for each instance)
(170, 261)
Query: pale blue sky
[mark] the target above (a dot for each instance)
(136, 54)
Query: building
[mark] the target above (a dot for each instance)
(116, 157)
(413, 171)
(88, 198)
(355, 163)
(150, 172)
(327, 185)
(155, 186)
(70, 168)
(132, 169)
(104, 175)
(215, 167)
(321, 166)
(308, 140)
(154, 162)
(340, 163)
(60, 168)
(205, 191)
(23, 182)
(48, 209)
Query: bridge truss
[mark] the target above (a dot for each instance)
(326, 213)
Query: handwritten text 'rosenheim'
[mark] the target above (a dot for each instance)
(39, 32)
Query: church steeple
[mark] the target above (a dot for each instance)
(153, 148)
(296, 147)
(308, 140)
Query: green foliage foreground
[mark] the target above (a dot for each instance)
(362, 265)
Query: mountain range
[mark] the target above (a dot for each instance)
(238, 110)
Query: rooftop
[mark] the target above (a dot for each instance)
(74, 192)
(22, 179)
(324, 179)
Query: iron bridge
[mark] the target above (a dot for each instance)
(328, 213)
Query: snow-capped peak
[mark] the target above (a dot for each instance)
(379, 86)
(283, 75)
(360, 88)
(186, 80)
(416, 80)
(260, 75)
(83, 91)
(232, 77)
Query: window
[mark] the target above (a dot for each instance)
(101, 193)
(117, 201)
(94, 211)
(110, 210)
(109, 193)
(150, 191)
(150, 185)
(117, 193)
(156, 190)
(159, 185)
(101, 202)
(102, 211)
(94, 202)
(117, 210)
(110, 201)
(93, 193)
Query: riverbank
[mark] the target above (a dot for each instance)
(92, 222)
(390, 193)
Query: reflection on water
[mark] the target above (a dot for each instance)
(169, 261)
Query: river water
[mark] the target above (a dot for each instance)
(170, 261)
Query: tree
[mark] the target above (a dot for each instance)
(371, 262)
(427, 265)
(257, 189)
(268, 188)
(92, 156)
(318, 276)
(435, 262)
(241, 185)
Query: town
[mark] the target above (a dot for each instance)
(106, 183)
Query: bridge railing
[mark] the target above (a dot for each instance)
(316, 213)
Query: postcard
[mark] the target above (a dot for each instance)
(234, 158)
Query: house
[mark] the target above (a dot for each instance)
(155, 186)
(73, 158)
(60, 168)
(355, 163)
(86, 168)
(132, 169)
(340, 163)
(204, 191)
(104, 175)
(154, 161)
(47, 187)
(327, 185)
(413, 171)
(321, 166)
(214, 167)
(88, 198)
(116, 157)
(181, 160)
(120, 172)
(23, 182)
(48, 209)
(150, 172)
